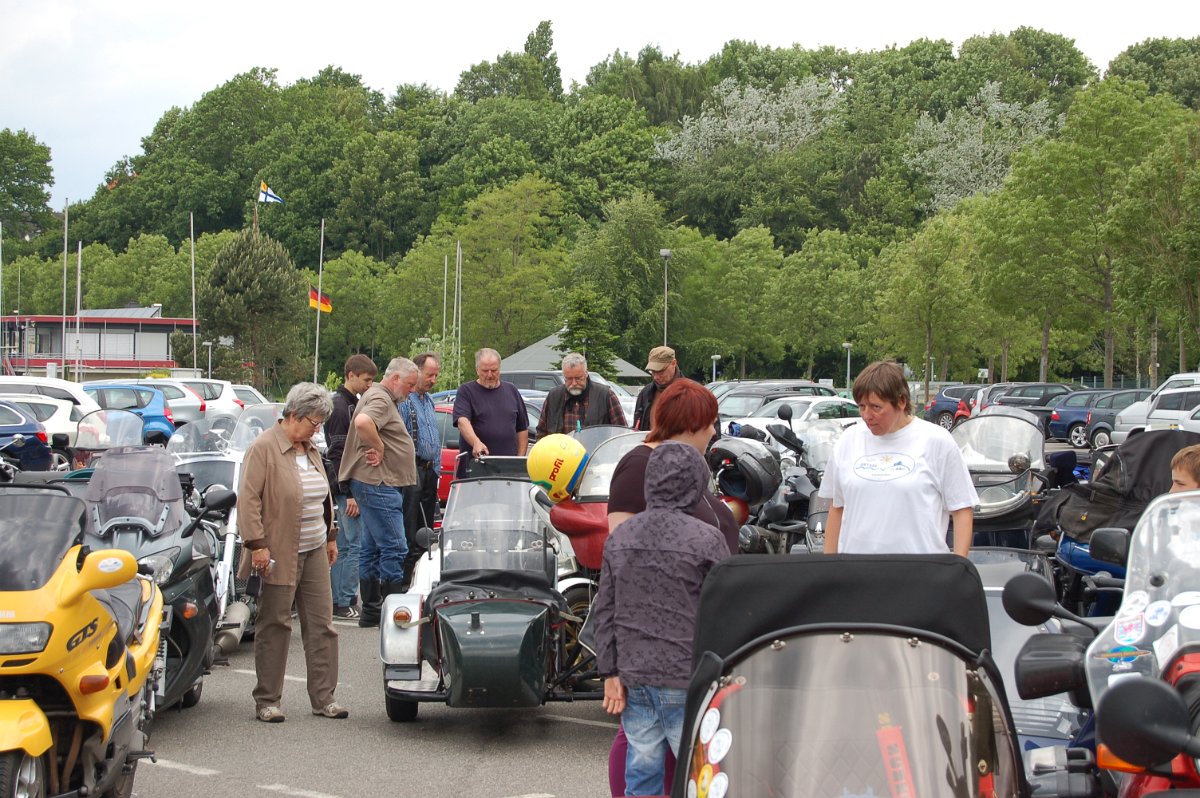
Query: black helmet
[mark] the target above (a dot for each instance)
(745, 469)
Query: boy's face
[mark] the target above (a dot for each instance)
(1182, 480)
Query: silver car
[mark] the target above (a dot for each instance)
(219, 395)
(186, 404)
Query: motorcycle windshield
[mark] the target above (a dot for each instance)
(835, 716)
(107, 429)
(202, 450)
(252, 422)
(139, 482)
(989, 443)
(819, 439)
(489, 524)
(1159, 617)
(602, 461)
(591, 437)
(36, 530)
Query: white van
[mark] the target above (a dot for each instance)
(50, 386)
(1133, 418)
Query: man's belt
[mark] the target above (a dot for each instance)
(424, 463)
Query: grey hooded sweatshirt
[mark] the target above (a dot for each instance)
(644, 613)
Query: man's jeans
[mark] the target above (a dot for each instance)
(653, 720)
(382, 551)
(344, 573)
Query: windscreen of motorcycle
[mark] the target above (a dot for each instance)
(108, 429)
(1159, 617)
(989, 443)
(36, 529)
(819, 438)
(490, 524)
(136, 482)
(602, 462)
(252, 422)
(832, 715)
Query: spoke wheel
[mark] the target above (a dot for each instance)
(22, 775)
(1077, 436)
(59, 461)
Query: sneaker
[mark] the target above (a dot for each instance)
(271, 715)
(348, 613)
(333, 710)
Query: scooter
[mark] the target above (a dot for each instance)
(78, 647)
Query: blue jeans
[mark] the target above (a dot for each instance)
(653, 720)
(381, 509)
(344, 573)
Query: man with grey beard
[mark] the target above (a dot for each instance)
(579, 402)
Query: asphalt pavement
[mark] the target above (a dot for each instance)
(218, 748)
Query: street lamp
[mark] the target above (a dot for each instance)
(715, 358)
(208, 346)
(846, 346)
(665, 254)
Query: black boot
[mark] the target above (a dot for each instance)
(391, 587)
(372, 602)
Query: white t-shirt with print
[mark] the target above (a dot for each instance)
(897, 490)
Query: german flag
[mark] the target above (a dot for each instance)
(319, 301)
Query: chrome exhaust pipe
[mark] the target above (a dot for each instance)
(233, 626)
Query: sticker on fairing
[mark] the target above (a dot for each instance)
(1134, 603)
(691, 789)
(1166, 645)
(704, 782)
(110, 565)
(722, 741)
(1186, 598)
(720, 786)
(1128, 631)
(1189, 617)
(709, 725)
(1158, 613)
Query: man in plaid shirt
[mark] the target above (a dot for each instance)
(579, 402)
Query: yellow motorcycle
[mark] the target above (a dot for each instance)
(79, 652)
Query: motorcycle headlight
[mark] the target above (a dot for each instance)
(23, 638)
(160, 565)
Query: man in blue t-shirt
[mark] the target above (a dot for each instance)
(490, 414)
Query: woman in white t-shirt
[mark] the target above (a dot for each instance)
(895, 481)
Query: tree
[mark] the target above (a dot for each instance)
(254, 295)
(1167, 66)
(532, 74)
(585, 330)
(25, 180)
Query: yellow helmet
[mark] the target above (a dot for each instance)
(555, 463)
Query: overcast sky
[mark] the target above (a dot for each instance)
(91, 77)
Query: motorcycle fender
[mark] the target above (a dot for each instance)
(401, 645)
(23, 726)
(576, 581)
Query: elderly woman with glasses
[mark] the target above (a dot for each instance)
(285, 516)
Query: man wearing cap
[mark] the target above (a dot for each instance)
(579, 402)
(663, 368)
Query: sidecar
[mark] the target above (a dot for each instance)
(828, 676)
(483, 624)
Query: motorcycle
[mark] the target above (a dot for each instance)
(78, 651)
(1005, 452)
(811, 679)
(490, 632)
(213, 454)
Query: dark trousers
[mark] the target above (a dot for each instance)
(420, 506)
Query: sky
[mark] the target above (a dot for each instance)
(90, 78)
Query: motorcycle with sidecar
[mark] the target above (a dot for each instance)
(484, 623)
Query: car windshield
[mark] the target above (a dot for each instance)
(602, 461)
(834, 716)
(37, 527)
(490, 524)
(738, 405)
(1159, 617)
(771, 408)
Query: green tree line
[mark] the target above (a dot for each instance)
(997, 205)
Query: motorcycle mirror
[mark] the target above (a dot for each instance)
(541, 498)
(1029, 599)
(426, 537)
(1144, 721)
(785, 412)
(1110, 545)
(18, 441)
(218, 500)
(60, 440)
(749, 539)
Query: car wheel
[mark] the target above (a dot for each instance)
(1077, 436)
(59, 460)
(400, 711)
(1101, 438)
(945, 420)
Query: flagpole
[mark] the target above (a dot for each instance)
(320, 274)
(192, 235)
(4, 335)
(66, 222)
(78, 308)
(256, 193)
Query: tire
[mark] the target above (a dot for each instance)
(59, 460)
(192, 697)
(945, 419)
(22, 775)
(123, 786)
(1101, 438)
(1077, 436)
(400, 711)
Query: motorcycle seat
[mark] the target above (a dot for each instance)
(124, 604)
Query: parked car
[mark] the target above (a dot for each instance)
(546, 379)
(23, 438)
(58, 416)
(50, 386)
(1133, 418)
(1172, 406)
(1034, 394)
(145, 401)
(249, 395)
(983, 396)
(745, 399)
(450, 439)
(804, 410)
(1103, 415)
(1192, 422)
(186, 405)
(941, 408)
(219, 396)
(1068, 416)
